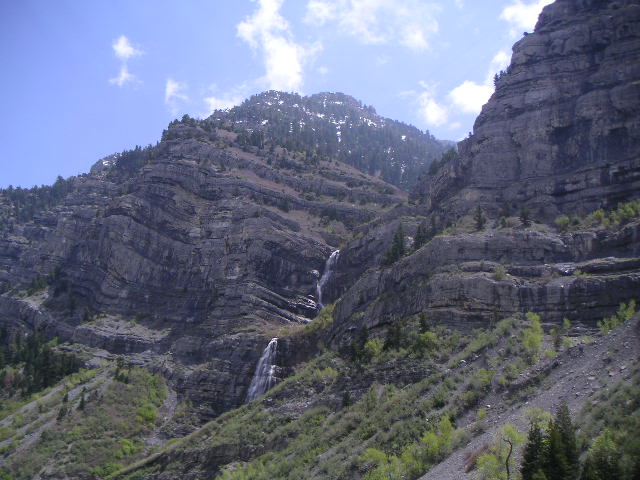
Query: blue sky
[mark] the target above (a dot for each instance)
(83, 79)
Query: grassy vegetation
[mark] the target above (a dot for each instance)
(621, 215)
(624, 314)
(611, 427)
(332, 419)
(98, 435)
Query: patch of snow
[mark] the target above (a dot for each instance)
(264, 122)
(403, 137)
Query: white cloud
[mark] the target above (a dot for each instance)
(433, 113)
(523, 16)
(469, 97)
(414, 37)
(499, 62)
(123, 77)
(320, 12)
(225, 100)
(222, 103)
(406, 22)
(123, 50)
(268, 32)
(175, 95)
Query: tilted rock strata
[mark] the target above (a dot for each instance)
(561, 133)
(453, 281)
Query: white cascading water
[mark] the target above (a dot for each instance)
(328, 270)
(264, 376)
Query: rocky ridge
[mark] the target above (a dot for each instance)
(190, 253)
(561, 132)
(189, 256)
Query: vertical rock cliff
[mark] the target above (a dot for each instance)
(561, 133)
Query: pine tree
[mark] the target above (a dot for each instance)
(533, 457)
(396, 250)
(567, 433)
(603, 460)
(61, 414)
(421, 236)
(556, 465)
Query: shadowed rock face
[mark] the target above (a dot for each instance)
(561, 133)
(190, 264)
(453, 281)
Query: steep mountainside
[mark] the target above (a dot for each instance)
(561, 133)
(337, 126)
(508, 277)
(189, 254)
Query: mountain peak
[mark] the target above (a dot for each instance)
(338, 126)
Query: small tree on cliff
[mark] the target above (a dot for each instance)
(396, 250)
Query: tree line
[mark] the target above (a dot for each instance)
(29, 364)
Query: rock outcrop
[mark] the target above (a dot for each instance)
(189, 261)
(475, 279)
(561, 133)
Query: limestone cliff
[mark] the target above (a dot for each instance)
(187, 256)
(561, 133)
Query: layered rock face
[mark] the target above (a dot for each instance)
(191, 264)
(561, 133)
(472, 280)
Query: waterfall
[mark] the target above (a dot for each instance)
(263, 378)
(328, 269)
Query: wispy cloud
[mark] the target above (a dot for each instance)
(433, 113)
(175, 95)
(123, 50)
(268, 33)
(410, 23)
(217, 100)
(469, 96)
(522, 16)
(123, 77)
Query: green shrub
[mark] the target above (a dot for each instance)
(563, 222)
(532, 336)
(322, 321)
(6, 433)
(499, 272)
(624, 314)
(325, 376)
(425, 343)
(483, 378)
(373, 348)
